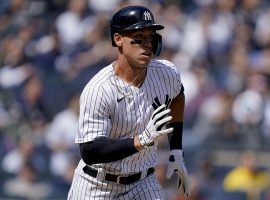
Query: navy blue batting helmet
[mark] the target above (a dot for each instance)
(134, 18)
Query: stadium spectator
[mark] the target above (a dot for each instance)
(247, 177)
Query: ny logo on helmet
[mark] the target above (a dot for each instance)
(147, 15)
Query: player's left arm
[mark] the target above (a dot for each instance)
(176, 159)
(177, 107)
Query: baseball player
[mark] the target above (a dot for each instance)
(123, 110)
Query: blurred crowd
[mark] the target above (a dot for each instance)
(51, 48)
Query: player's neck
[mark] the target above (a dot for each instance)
(130, 74)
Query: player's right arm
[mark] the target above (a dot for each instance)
(95, 126)
(104, 150)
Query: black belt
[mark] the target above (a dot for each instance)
(117, 178)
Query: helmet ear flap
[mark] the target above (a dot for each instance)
(157, 44)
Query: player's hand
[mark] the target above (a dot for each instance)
(176, 164)
(159, 118)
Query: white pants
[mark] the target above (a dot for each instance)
(85, 187)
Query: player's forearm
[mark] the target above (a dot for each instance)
(105, 150)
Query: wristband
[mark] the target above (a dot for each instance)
(175, 138)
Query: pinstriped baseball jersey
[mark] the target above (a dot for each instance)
(112, 108)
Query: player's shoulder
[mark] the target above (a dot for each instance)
(163, 65)
(100, 79)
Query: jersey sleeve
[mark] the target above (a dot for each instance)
(179, 88)
(94, 118)
(174, 77)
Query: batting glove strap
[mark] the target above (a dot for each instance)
(145, 139)
(176, 164)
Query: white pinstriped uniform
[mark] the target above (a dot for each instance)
(102, 115)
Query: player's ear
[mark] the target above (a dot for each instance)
(118, 39)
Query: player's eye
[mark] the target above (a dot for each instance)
(136, 41)
(141, 40)
(151, 37)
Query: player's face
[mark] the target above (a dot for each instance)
(137, 47)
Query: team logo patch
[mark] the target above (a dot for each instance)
(147, 16)
(156, 103)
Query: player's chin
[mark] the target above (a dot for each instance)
(145, 59)
(143, 64)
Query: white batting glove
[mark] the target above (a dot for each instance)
(176, 164)
(153, 129)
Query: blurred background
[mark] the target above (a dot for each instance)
(49, 49)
